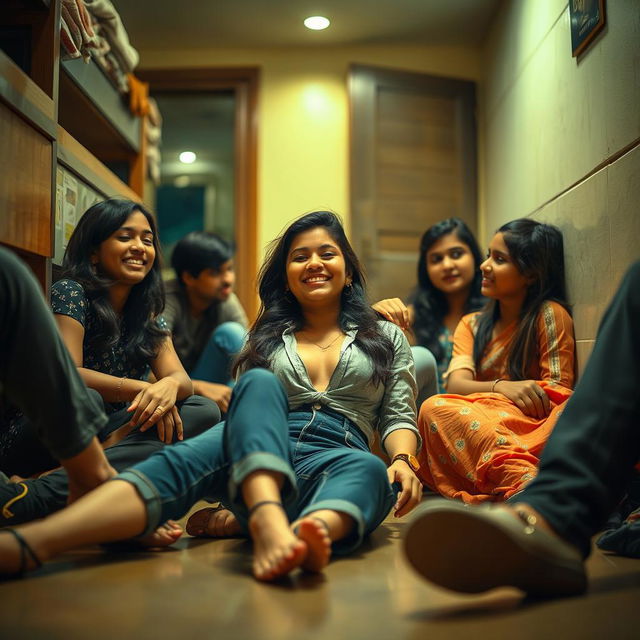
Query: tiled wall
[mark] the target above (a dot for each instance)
(561, 143)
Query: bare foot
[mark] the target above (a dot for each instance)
(213, 522)
(314, 533)
(163, 536)
(277, 550)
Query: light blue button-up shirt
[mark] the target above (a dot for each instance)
(350, 392)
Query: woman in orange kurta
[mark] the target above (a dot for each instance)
(512, 371)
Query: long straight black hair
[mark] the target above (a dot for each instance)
(429, 303)
(537, 250)
(145, 302)
(279, 307)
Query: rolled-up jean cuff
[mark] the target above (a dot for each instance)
(354, 539)
(149, 494)
(262, 461)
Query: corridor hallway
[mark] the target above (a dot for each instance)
(203, 589)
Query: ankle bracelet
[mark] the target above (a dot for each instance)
(257, 505)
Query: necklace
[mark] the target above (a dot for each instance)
(315, 344)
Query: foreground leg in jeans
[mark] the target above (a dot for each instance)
(538, 542)
(37, 498)
(255, 468)
(38, 375)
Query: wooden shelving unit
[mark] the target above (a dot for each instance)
(56, 118)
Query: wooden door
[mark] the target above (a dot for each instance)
(413, 163)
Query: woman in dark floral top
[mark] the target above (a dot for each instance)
(108, 311)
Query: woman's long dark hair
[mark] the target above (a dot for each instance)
(537, 250)
(429, 303)
(142, 336)
(279, 307)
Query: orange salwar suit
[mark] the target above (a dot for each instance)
(481, 446)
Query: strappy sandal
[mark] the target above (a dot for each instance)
(209, 511)
(26, 554)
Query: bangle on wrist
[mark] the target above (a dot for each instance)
(119, 388)
(495, 382)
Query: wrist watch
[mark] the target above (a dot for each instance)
(412, 461)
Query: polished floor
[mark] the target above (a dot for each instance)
(202, 589)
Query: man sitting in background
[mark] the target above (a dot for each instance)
(205, 317)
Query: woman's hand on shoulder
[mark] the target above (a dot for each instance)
(394, 310)
(527, 395)
(411, 487)
(155, 404)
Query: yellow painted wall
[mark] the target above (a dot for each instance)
(303, 146)
(560, 142)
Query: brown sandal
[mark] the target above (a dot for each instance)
(209, 512)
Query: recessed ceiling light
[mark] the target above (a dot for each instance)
(317, 23)
(188, 157)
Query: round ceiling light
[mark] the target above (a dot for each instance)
(187, 157)
(317, 23)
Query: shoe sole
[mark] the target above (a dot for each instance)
(463, 550)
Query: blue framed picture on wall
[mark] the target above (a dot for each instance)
(587, 20)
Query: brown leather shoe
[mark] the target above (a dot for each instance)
(476, 548)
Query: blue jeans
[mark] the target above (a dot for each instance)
(323, 458)
(214, 364)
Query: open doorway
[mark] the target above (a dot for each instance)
(212, 113)
(197, 173)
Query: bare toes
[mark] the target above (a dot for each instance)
(281, 562)
(163, 536)
(318, 542)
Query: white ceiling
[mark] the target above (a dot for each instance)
(199, 24)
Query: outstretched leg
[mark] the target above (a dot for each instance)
(113, 511)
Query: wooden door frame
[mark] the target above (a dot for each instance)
(244, 82)
(364, 82)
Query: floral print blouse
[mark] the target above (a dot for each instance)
(68, 298)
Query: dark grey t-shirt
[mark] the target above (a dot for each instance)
(190, 335)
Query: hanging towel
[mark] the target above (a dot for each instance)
(113, 30)
(76, 32)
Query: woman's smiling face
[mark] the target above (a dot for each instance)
(450, 264)
(316, 269)
(501, 278)
(127, 255)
